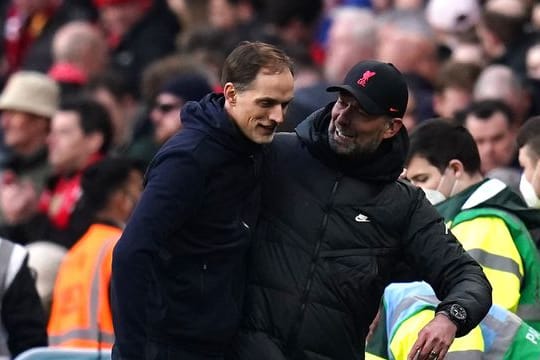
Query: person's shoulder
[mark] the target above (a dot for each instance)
(407, 189)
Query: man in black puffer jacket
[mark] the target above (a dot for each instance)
(179, 268)
(336, 221)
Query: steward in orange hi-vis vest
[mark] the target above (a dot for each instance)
(81, 312)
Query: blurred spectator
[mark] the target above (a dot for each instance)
(454, 88)
(230, 15)
(410, 119)
(468, 51)
(138, 32)
(491, 124)
(292, 22)
(535, 16)
(500, 82)
(528, 141)
(22, 319)
(207, 46)
(80, 52)
(533, 62)
(351, 38)
(28, 103)
(173, 95)
(155, 76)
(190, 13)
(451, 19)
(29, 26)
(81, 312)
(112, 92)
(81, 134)
(406, 40)
(502, 33)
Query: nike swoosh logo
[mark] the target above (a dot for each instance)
(361, 218)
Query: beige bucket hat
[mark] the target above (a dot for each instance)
(31, 92)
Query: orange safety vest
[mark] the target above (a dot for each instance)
(81, 311)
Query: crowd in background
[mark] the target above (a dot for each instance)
(86, 83)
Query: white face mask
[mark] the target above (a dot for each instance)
(528, 193)
(434, 196)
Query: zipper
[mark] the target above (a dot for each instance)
(293, 335)
(203, 275)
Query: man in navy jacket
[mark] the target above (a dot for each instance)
(179, 269)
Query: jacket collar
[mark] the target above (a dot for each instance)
(384, 165)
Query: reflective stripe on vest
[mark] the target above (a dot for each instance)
(528, 307)
(92, 334)
(504, 334)
(496, 262)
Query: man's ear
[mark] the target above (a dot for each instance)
(392, 128)
(229, 91)
(456, 166)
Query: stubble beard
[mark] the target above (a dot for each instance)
(353, 150)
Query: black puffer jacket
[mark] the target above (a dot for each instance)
(330, 234)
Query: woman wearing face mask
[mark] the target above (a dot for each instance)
(488, 218)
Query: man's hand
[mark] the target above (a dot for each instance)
(434, 339)
(18, 199)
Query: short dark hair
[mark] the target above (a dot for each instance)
(529, 134)
(102, 179)
(245, 61)
(484, 109)
(506, 27)
(439, 141)
(113, 82)
(93, 118)
(457, 75)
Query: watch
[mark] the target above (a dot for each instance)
(455, 312)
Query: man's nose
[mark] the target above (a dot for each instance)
(277, 114)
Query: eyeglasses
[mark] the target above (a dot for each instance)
(165, 108)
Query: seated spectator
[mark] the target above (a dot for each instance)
(499, 82)
(28, 102)
(79, 53)
(502, 32)
(533, 62)
(113, 93)
(22, 319)
(138, 32)
(454, 88)
(81, 313)
(81, 134)
(28, 28)
(173, 95)
(492, 125)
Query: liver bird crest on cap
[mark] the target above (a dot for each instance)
(368, 74)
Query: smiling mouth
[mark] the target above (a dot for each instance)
(268, 127)
(342, 135)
